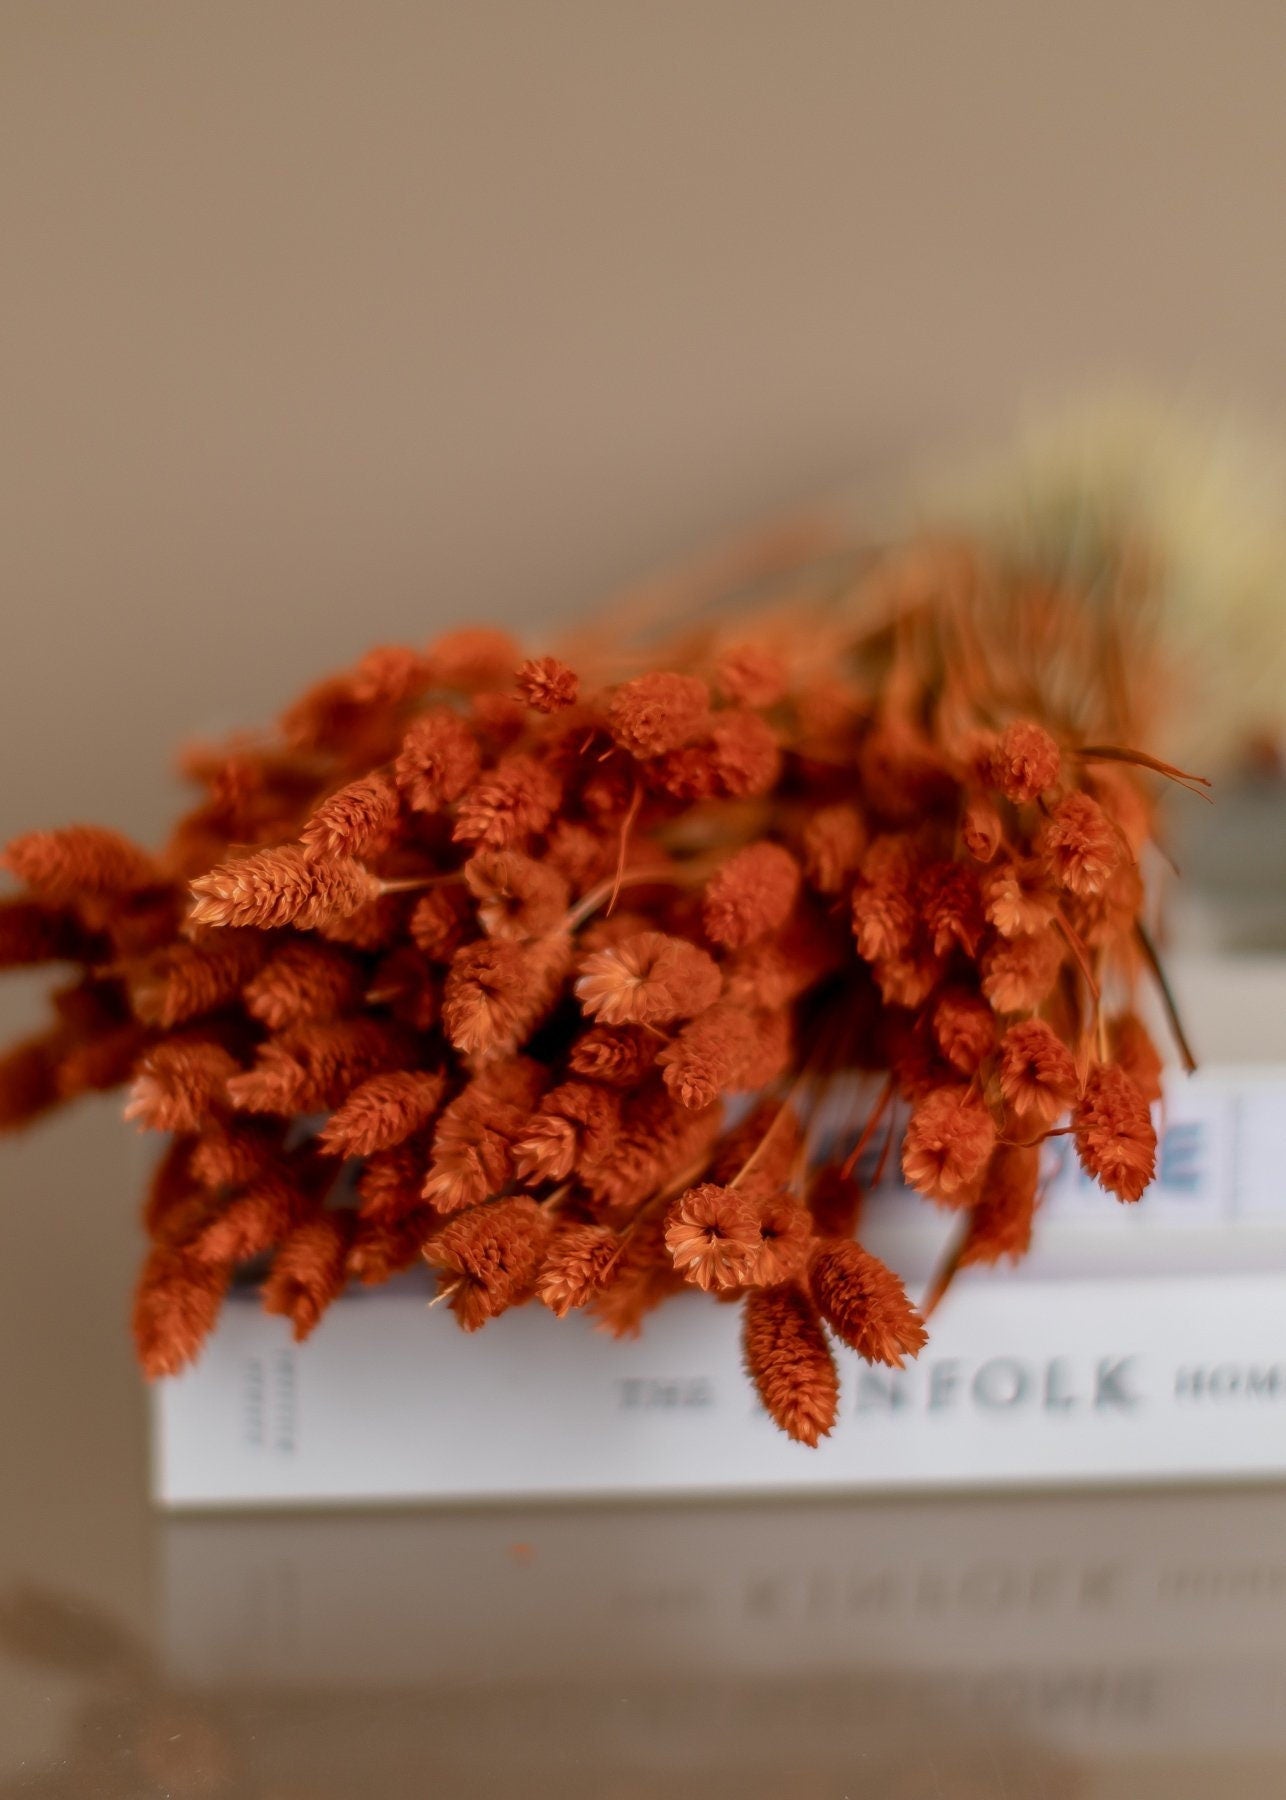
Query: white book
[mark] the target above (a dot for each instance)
(1139, 1343)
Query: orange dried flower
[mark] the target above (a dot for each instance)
(383, 1111)
(315, 1066)
(1115, 1137)
(511, 802)
(884, 910)
(79, 861)
(1037, 1071)
(613, 928)
(187, 981)
(619, 1055)
(658, 712)
(950, 907)
(438, 760)
(1106, 920)
(909, 980)
(1000, 1224)
(391, 1181)
(547, 685)
(175, 1309)
(790, 1363)
(639, 1280)
(490, 1258)
(658, 1140)
(473, 1144)
(251, 1222)
(579, 1260)
(516, 896)
(1025, 762)
(745, 755)
(712, 1234)
(573, 1128)
(441, 921)
(785, 1238)
(302, 980)
(180, 1084)
(497, 992)
(964, 1029)
(1018, 974)
(135, 924)
(373, 925)
(647, 979)
(751, 895)
(281, 887)
(88, 1007)
(1117, 788)
(359, 820)
(1081, 845)
(685, 775)
(708, 1055)
(309, 1271)
(579, 853)
(947, 1143)
(1018, 898)
(229, 1153)
(865, 1304)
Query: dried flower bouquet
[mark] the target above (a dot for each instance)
(465, 961)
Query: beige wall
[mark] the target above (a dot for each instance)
(324, 321)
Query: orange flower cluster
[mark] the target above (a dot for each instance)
(550, 976)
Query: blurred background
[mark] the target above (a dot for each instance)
(324, 324)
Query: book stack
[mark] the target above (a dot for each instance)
(1136, 1344)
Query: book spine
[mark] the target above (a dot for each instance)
(1024, 1382)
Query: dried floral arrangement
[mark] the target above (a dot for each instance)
(549, 972)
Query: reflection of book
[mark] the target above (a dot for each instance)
(1102, 1622)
